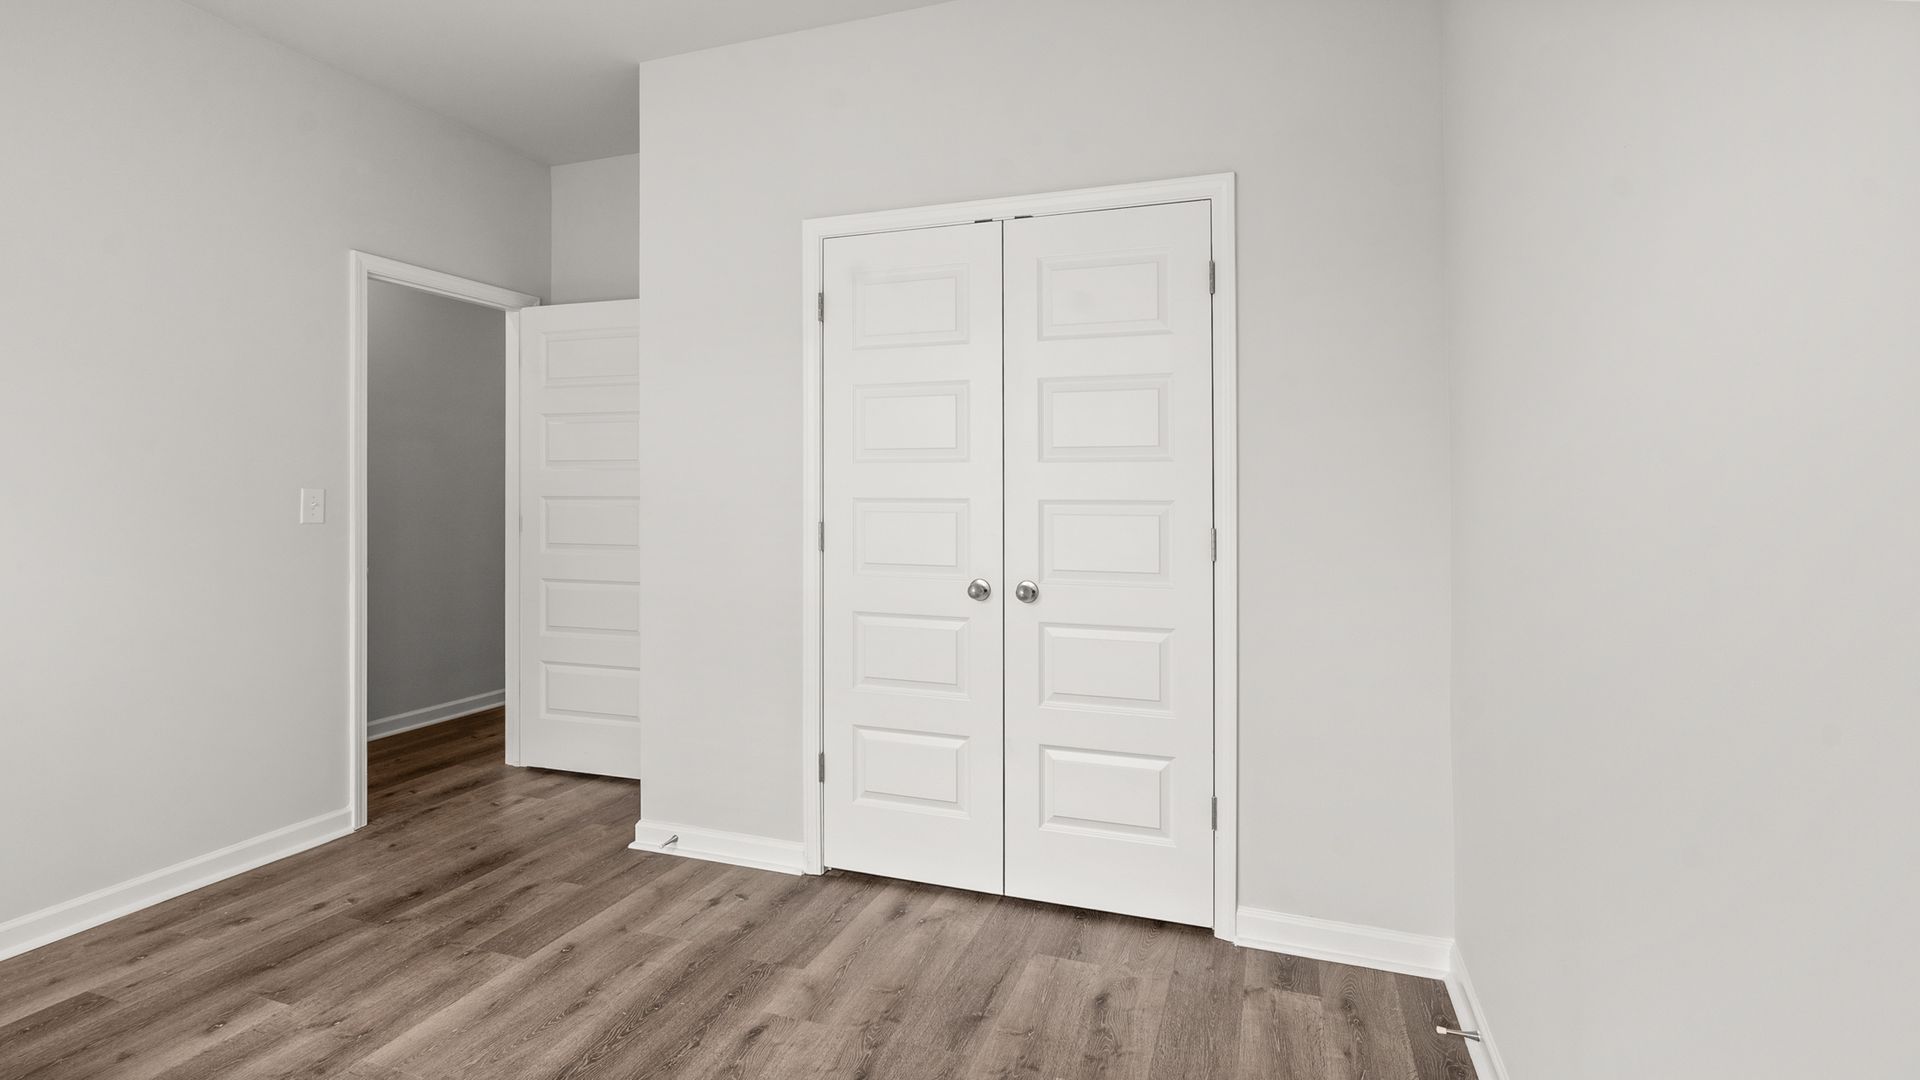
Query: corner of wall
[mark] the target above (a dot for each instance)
(1471, 1016)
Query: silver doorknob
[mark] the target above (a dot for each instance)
(1026, 592)
(979, 589)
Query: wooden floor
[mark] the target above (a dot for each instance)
(490, 923)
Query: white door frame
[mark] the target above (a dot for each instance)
(364, 268)
(1217, 189)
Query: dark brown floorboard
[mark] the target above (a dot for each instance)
(491, 923)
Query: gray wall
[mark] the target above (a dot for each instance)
(1328, 110)
(436, 452)
(1686, 280)
(180, 201)
(596, 210)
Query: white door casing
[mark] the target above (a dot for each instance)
(364, 268)
(912, 662)
(1109, 512)
(578, 684)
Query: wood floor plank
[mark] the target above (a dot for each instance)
(844, 1051)
(1424, 1005)
(819, 989)
(393, 991)
(251, 962)
(1123, 1025)
(483, 905)
(1039, 1032)
(47, 976)
(796, 941)
(553, 1003)
(666, 1022)
(490, 923)
(136, 1039)
(1110, 940)
(1278, 971)
(25, 1034)
(538, 926)
(1283, 1036)
(1366, 1035)
(1200, 1026)
(770, 1045)
(878, 990)
(959, 1017)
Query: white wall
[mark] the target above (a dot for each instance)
(436, 482)
(596, 230)
(1686, 277)
(1328, 111)
(179, 202)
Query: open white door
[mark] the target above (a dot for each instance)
(1109, 504)
(577, 695)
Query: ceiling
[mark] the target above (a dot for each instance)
(554, 79)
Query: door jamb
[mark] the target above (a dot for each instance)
(363, 268)
(1218, 189)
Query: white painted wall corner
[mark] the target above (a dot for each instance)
(714, 845)
(434, 714)
(1384, 950)
(37, 928)
(1466, 1007)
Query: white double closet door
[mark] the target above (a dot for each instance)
(1018, 602)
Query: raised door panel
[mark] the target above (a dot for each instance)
(912, 438)
(1108, 441)
(577, 704)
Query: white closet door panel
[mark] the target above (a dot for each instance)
(579, 572)
(913, 514)
(1109, 672)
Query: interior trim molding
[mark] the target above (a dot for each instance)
(1345, 943)
(434, 714)
(50, 924)
(715, 845)
(1466, 1007)
(362, 269)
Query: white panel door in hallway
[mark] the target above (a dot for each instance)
(1109, 523)
(577, 695)
(912, 635)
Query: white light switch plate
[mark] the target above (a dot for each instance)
(313, 506)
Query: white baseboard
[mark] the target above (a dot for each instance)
(713, 845)
(1466, 1006)
(34, 929)
(1344, 943)
(434, 714)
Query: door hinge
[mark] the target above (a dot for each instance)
(1212, 280)
(1216, 813)
(823, 766)
(1216, 544)
(823, 536)
(820, 306)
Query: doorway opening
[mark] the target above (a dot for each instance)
(432, 501)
